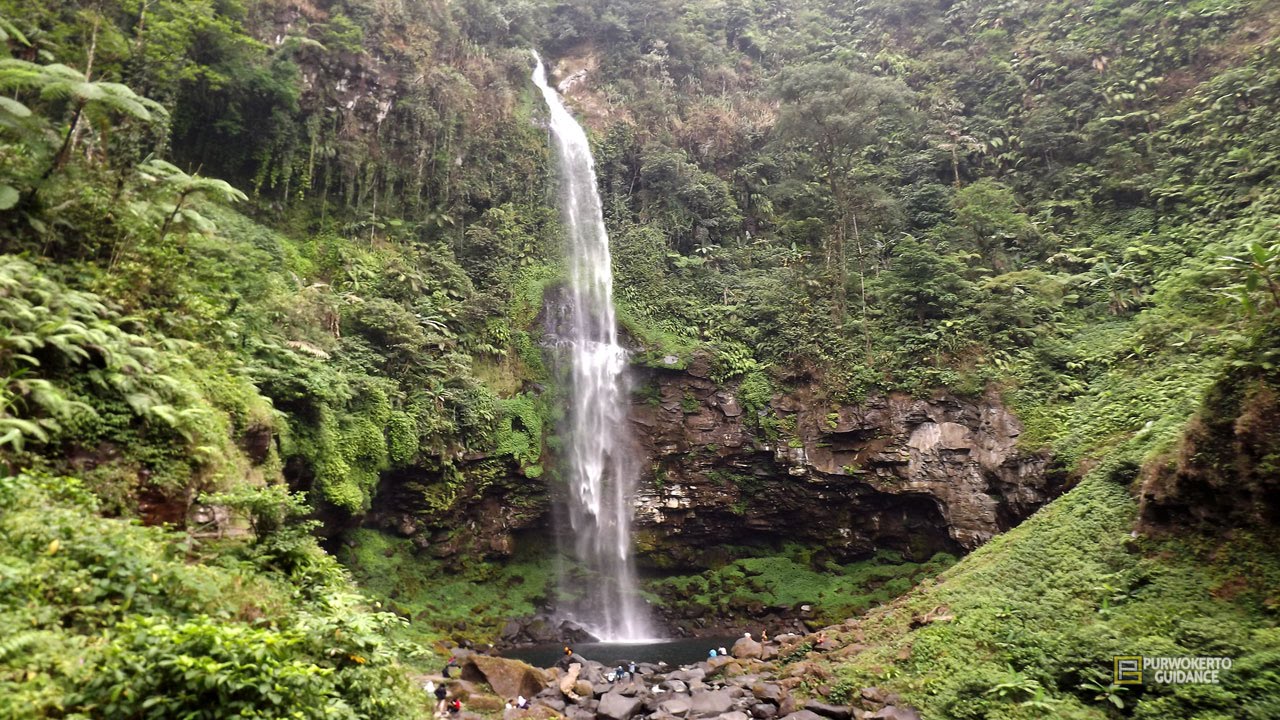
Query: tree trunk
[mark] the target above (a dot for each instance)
(61, 157)
(164, 229)
(862, 283)
(74, 136)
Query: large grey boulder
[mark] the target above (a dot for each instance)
(616, 706)
(835, 712)
(710, 702)
(803, 715)
(508, 678)
(746, 648)
(675, 686)
(688, 674)
(678, 705)
(768, 692)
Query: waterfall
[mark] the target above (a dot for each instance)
(601, 471)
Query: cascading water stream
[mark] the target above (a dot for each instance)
(601, 471)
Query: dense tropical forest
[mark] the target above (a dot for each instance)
(278, 424)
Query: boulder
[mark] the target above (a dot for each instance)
(675, 686)
(894, 712)
(678, 705)
(764, 711)
(554, 703)
(688, 674)
(767, 692)
(710, 702)
(507, 677)
(616, 706)
(487, 704)
(572, 632)
(835, 712)
(803, 715)
(536, 712)
(540, 631)
(735, 715)
(716, 663)
(593, 672)
(879, 696)
(570, 679)
(584, 689)
(728, 669)
(746, 648)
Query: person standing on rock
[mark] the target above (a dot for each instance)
(631, 670)
(441, 695)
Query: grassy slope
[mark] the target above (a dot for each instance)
(1040, 611)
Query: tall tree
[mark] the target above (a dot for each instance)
(839, 116)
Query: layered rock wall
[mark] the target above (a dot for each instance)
(894, 472)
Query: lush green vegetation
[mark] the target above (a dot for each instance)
(103, 618)
(272, 255)
(1031, 620)
(752, 587)
(472, 602)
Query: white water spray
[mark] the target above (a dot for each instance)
(602, 473)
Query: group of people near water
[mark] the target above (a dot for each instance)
(626, 669)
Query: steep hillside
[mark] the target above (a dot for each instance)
(280, 274)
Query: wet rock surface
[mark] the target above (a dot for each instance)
(893, 472)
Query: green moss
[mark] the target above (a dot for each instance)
(530, 288)
(520, 428)
(661, 348)
(444, 600)
(689, 404)
(402, 438)
(790, 578)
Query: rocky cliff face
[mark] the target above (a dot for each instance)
(894, 472)
(474, 511)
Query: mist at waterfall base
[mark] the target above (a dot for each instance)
(599, 465)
